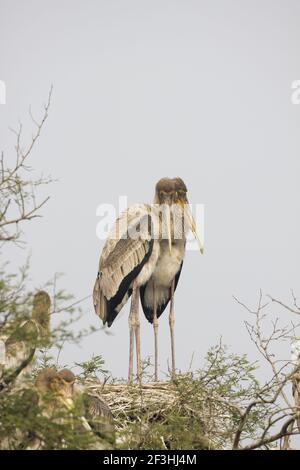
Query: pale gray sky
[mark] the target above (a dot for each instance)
(145, 89)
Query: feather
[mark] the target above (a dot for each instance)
(161, 306)
(99, 417)
(20, 345)
(127, 249)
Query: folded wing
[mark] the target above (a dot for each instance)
(127, 248)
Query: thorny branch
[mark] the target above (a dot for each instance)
(275, 391)
(17, 191)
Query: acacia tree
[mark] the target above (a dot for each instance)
(18, 202)
(269, 335)
(24, 422)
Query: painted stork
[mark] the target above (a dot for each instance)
(143, 257)
(96, 411)
(96, 415)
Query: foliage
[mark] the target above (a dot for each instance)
(197, 410)
(25, 421)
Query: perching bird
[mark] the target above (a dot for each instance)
(95, 415)
(21, 344)
(41, 315)
(295, 357)
(96, 411)
(143, 256)
(49, 384)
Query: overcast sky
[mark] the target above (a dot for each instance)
(146, 89)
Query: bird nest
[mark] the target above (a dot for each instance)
(125, 400)
(155, 412)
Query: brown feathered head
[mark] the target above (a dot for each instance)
(45, 381)
(61, 383)
(170, 191)
(41, 310)
(173, 192)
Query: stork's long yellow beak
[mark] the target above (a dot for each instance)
(69, 404)
(169, 229)
(201, 246)
(192, 222)
(167, 217)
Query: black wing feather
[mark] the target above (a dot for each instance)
(124, 288)
(99, 417)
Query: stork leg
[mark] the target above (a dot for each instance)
(171, 323)
(137, 334)
(134, 332)
(131, 321)
(155, 329)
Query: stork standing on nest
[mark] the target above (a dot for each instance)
(143, 256)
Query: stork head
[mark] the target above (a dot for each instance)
(41, 301)
(170, 192)
(41, 312)
(59, 383)
(165, 191)
(67, 380)
(45, 380)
